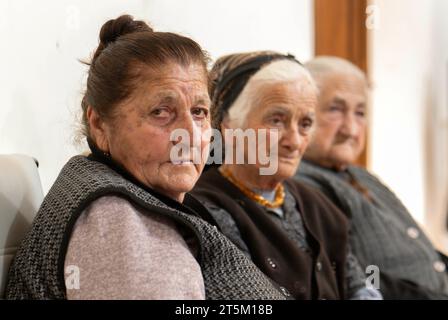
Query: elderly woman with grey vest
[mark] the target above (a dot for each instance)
(292, 233)
(383, 233)
(119, 224)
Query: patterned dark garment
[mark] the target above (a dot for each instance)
(37, 271)
(320, 275)
(383, 233)
(292, 224)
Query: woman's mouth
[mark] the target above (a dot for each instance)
(181, 162)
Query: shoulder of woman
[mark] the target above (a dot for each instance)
(113, 215)
(302, 189)
(137, 249)
(313, 197)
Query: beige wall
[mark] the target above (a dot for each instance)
(408, 50)
(41, 80)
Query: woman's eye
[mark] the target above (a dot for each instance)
(334, 109)
(361, 114)
(306, 124)
(276, 121)
(200, 113)
(160, 112)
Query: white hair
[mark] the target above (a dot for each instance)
(275, 72)
(323, 66)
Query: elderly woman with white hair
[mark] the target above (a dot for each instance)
(291, 232)
(383, 233)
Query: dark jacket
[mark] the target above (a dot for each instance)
(318, 274)
(383, 233)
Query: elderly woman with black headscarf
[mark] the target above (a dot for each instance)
(293, 233)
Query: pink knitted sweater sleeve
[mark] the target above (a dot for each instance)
(118, 252)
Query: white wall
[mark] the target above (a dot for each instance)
(41, 80)
(399, 73)
(437, 128)
(409, 54)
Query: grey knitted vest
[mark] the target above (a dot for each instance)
(37, 271)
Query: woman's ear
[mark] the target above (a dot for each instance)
(97, 129)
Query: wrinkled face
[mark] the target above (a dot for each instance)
(138, 136)
(289, 108)
(339, 137)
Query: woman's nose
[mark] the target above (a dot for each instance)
(350, 126)
(193, 129)
(292, 138)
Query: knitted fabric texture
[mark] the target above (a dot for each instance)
(37, 271)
